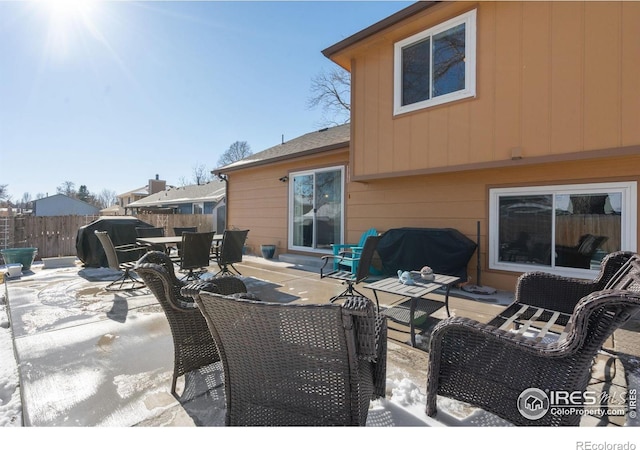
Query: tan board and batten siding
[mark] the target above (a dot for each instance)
(258, 200)
(553, 78)
(557, 101)
(557, 85)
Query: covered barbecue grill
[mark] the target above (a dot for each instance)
(446, 250)
(121, 229)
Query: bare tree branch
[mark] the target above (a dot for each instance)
(201, 175)
(332, 92)
(237, 151)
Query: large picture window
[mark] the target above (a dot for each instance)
(436, 65)
(566, 229)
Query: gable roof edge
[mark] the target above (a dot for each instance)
(379, 26)
(313, 151)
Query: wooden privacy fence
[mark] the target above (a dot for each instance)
(56, 235)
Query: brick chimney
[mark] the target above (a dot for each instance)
(157, 185)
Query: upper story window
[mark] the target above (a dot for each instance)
(436, 66)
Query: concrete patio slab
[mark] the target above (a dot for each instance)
(88, 357)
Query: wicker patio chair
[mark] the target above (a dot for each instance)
(122, 258)
(294, 364)
(490, 367)
(194, 347)
(557, 293)
(579, 255)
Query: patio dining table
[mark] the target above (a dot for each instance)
(414, 292)
(174, 240)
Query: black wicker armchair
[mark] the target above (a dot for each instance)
(194, 347)
(559, 293)
(490, 366)
(300, 365)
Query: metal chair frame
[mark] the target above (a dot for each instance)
(122, 258)
(194, 254)
(230, 252)
(347, 277)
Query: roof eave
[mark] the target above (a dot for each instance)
(264, 162)
(377, 27)
(177, 201)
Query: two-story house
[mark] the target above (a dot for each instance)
(520, 117)
(153, 186)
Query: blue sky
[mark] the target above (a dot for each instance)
(110, 94)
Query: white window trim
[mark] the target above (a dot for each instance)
(290, 244)
(469, 19)
(628, 222)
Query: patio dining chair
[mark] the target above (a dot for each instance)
(177, 231)
(143, 232)
(295, 364)
(194, 255)
(193, 344)
(121, 258)
(230, 251)
(346, 276)
(508, 370)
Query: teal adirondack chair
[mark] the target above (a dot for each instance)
(351, 253)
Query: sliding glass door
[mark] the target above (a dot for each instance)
(565, 229)
(316, 208)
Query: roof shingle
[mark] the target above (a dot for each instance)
(322, 140)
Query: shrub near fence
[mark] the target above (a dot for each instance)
(56, 235)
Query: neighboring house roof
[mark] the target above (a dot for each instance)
(379, 26)
(63, 204)
(214, 191)
(113, 210)
(144, 190)
(322, 140)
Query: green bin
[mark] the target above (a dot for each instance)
(24, 256)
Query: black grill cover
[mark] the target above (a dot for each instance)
(445, 250)
(121, 229)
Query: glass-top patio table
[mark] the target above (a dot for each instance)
(175, 240)
(414, 292)
(168, 240)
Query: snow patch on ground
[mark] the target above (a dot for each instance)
(10, 401)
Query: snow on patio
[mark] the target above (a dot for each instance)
(94, 359)
(108, 373)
